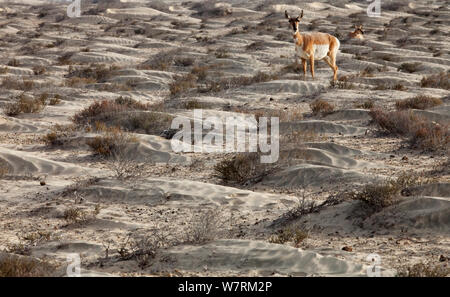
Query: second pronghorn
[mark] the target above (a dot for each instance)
(314, 46)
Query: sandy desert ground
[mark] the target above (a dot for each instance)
(86, 164)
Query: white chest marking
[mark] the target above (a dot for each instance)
(320, 51)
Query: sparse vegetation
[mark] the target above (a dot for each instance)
(439, 80)
(418, 102)
(241, 168)
(322, 107)
(111, 143)
(289, 234)
(421, 132)
(18, 84)
(204, 228)
(17, 266)
(368, 104)
(410, 67)
(23, 104)
(386, 193)
(424, 270)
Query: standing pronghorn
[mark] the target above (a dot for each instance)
(357, 34)
(314, 46)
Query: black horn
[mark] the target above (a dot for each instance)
(286, 14)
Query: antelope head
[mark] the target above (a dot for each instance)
(294, 21)
(358, 33)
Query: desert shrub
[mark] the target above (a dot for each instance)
(424, 270)
(111, 143)
(94, 73)
(241, 168)
(234, 82)
(59, 135)
(418, 102)
(182, 83)
(78, 82)
(386, 193)
(410, 67)
(142, 247)
(289, 115)
(184, 61)
(368, 104)
(65, 59)
(23, 104)
(4, 168)
(75, 215)
(13, 63)
(211, 9)
(421, 132)
(18, 84)
(289, 234)
(342, 84)
(204, 228)
(39, 70)
(16, 266)
(4, 70)
(55, 100)
(320, 106)
(256, 46)
(396, 87)
(161, 61)
(440, 80)
(195, 104)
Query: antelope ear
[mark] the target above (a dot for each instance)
(286, 14)
(360, 27)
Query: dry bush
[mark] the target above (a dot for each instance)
(204, 228)
(142, 247)
(16, 266)
(322, 107)
(241, 168)
(344, 84)
(421, 132)
(195, 104)
(290, 115)
(223, 84)
(113, 142)
(418, 102)
(396, 87)
(424, 270)
(23, 104)
(289, 234)
(387, 193)
(184, 61)
(59, 135)
(161, 61)
(182, 83)
(13, 63)
(74, 215)
(207, 9)
(65, 59)
(4, 168)
(39, 70)
(106, 109)
(4, 70)
(55, 100)
(75, 82)
(410, 67)
(95, 72)
(368, 104)
(439, 80)
(17, 84)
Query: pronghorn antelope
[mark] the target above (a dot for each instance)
(357, 34)
(314, 46)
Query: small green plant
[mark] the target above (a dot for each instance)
(410, 67)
